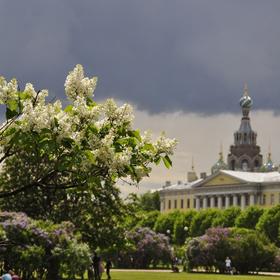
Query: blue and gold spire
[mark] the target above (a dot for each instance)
(269, 165)
(220, 164)
(245, 154)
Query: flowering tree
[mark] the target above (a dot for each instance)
(55, 161)
(83, 144)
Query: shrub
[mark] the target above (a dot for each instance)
(34, 247)
(248, 249)
(147, 248)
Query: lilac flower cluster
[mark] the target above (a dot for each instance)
(148, 247)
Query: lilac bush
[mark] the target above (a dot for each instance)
(249, 250)
(35, 247)
(146, 248)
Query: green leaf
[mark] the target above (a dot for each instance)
(136, 134)
(167, 161)
(148, 147)
(12, 105)
(67, 142)
(90, 156)
(68, 109)
(157, 160)
(10, 113)
(63, 166)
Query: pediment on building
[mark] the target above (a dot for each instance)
(220, 179)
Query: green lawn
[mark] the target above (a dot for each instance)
(129, 275)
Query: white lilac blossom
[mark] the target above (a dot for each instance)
(7, 90)
(97, 135)
(77, 85)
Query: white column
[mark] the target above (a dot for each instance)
(204, 202)
(162, 208)
(243, 201)
(235, 200)
(220, 202)
(227, 201)
(197, 202)
(212, 201)
(252, 199)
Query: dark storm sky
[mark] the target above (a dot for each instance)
(171, 55)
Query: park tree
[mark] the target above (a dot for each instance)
(63, 163)
(249, 217)
(202, 221)
(182, 226)
(150, 201)
(227, 217)
(166, 221)
(269, 223)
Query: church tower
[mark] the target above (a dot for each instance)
(245, 154)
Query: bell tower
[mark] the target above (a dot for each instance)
(245, 154)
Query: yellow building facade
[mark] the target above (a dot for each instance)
(222, 190)
(243, 181)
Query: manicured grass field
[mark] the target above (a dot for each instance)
(129, 275)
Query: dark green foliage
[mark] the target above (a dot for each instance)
(150, 201)
(202, 221)
(148, 219)
(182, 226)
(165, 222)
(269, 224)
(226, 218)
(249, 217)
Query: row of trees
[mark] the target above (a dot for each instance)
(181, 225)
(251, 237)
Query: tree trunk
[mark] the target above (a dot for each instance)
(53, 270)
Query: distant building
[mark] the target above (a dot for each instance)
(243, 181)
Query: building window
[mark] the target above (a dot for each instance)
(182, 203)
(188, 203)
(169, 204)
(175, 203)
(194, 203)
(264, 199)
(272, 199)
(231, 200)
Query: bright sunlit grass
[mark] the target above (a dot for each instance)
(129, 275)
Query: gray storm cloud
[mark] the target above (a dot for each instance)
(163, 56)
